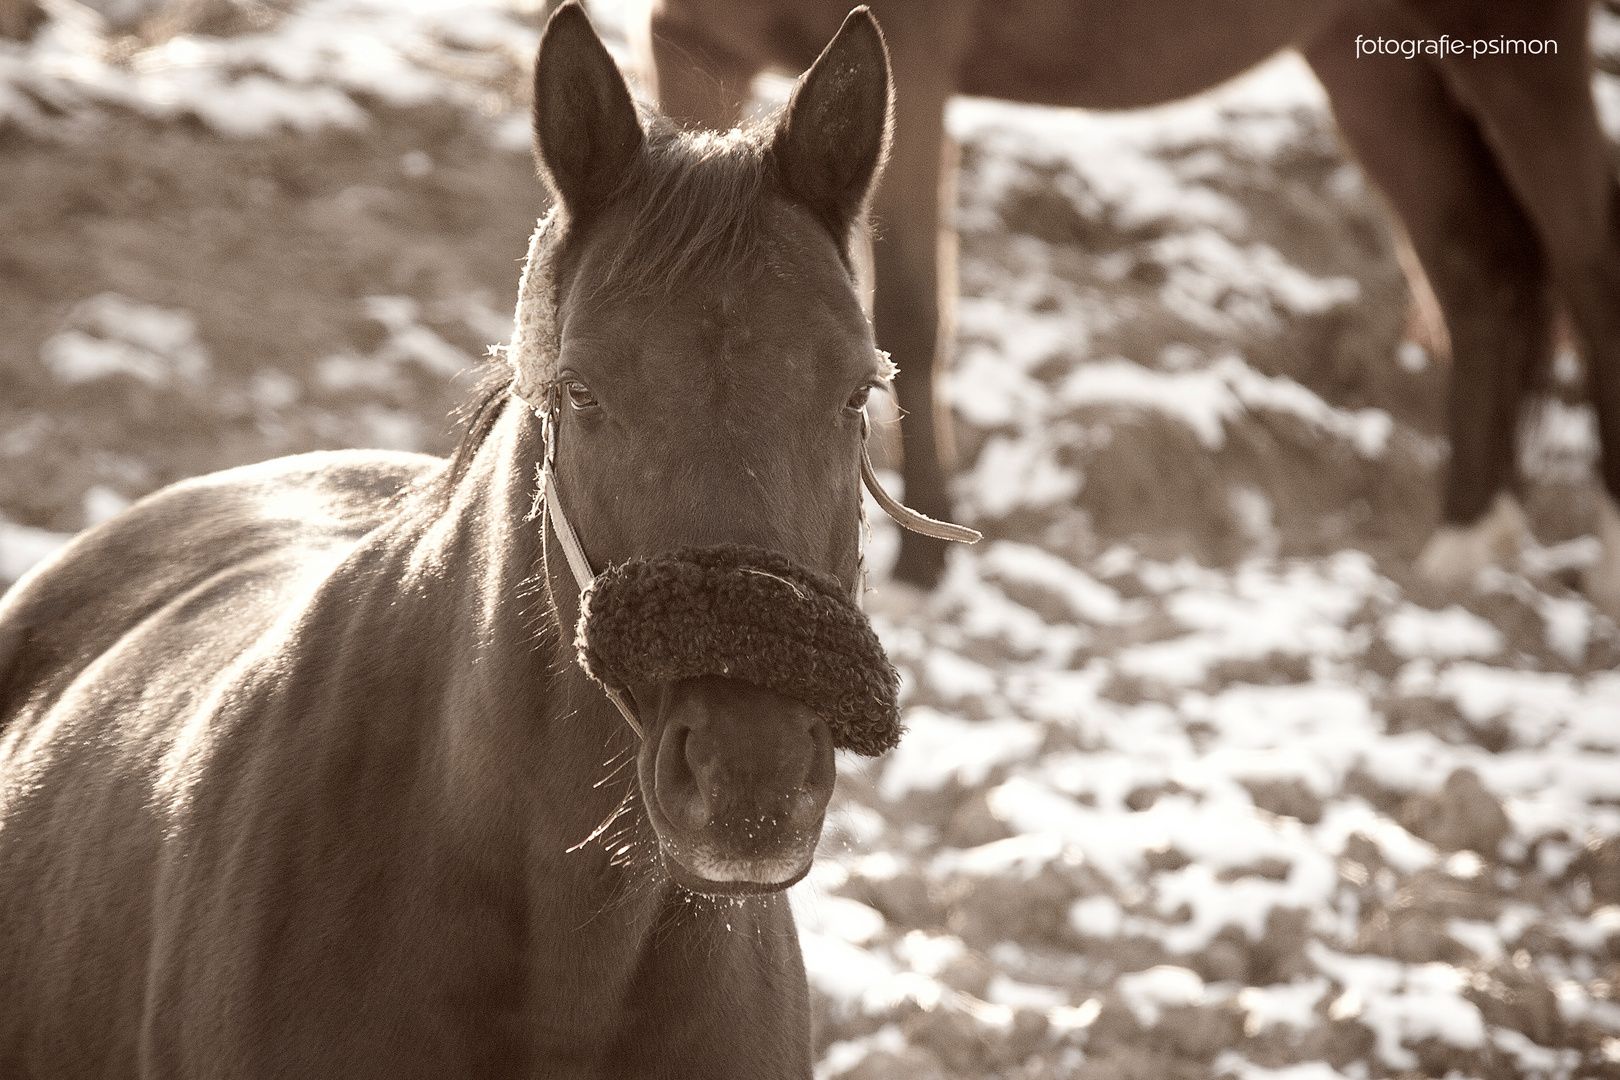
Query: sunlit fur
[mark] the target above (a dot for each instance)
(298, 775)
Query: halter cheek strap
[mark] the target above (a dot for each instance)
(577, 563)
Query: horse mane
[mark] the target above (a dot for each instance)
(476, 418)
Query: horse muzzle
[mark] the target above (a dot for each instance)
(747, 670)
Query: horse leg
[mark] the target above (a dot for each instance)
(907, 256)
(1480, 252)
(914, 253)
(1537, 113)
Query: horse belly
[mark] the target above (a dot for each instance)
(1121, 54)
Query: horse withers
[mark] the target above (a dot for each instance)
(1496, 164)
(329, 766)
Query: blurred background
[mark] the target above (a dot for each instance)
(1200, 782)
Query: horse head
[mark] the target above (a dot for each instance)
(691, 334)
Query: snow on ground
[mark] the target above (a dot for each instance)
(1247, 816)
(1281, 814)
(315, 68)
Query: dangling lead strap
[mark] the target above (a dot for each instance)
(583, 576)
(903, 515)
(908, 518)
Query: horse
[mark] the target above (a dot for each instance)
(371, 764)
(1495, 164)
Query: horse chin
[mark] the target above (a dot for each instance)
(714, 875)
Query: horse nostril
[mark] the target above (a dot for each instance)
(806, 809)
(679, 795)
(810, 802)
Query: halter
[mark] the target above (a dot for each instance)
(534, 356)
(551, 514)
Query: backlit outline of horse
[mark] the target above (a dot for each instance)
(305, 770)
(1497, 166)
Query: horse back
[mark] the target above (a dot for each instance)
(243, 530)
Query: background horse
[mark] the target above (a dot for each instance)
(1496, 166)
(299, 777)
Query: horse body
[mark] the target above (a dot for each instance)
(1496, 165)
(298, 773)
(351, 868)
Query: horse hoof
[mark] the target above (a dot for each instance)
(1455, 553)
(1601, 581)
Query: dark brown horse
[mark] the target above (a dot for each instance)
(1495, 164)
(302, 771)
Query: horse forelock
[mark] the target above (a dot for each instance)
(698, 201)
(693, 203)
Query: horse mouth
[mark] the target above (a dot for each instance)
(717, 875)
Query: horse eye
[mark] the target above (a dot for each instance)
(857, 400)
(579, 395)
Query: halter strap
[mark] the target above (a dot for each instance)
(578, 564)
(581, 566)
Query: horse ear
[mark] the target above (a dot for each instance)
(832, 139)
(586, 132)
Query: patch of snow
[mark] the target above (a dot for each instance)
(954, 677)
(1089, 599)
(1021, 995)
(112, 335)
(102, 504)
(1455, 632)
(310, 71)
(1022, 856)
(1536, 704)
(1148, 993)
(1533, 1059)
(1483, 939)
(844, 1055)
(1281, 1004)
(1560, 443)
(1206, 400)
(1225, 287)
(928, 954)
(844, 972)
(1112, 152)
(1403, 1003)
(939, 747)
(1013, 474)
(1097, 916)
(22, 546)
(1231, 1063)
(410, 341)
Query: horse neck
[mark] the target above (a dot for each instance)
(524, 727)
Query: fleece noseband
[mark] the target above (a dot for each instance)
(749, 614)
